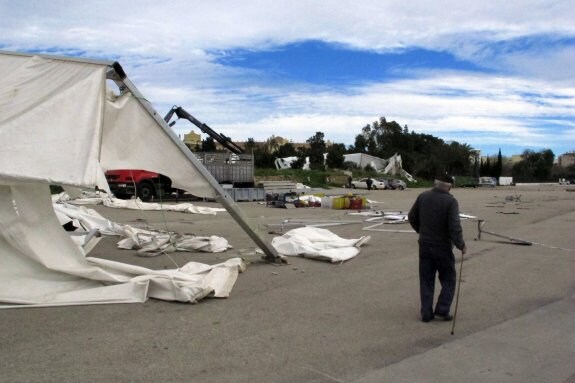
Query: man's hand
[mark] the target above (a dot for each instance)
(464, 250)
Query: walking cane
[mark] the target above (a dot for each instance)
(457, 297)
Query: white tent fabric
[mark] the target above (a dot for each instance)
(152, 243)
(137, 204)
(41, 265)
(50, 120)
(86, 219)
(131, 140)
(313, 242)
(147, 242)
(58, 126)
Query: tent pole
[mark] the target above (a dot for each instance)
(117, 74)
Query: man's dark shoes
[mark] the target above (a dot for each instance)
(444, 317)
(427, 318)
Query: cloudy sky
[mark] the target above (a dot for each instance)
(491, 74)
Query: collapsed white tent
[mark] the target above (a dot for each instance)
(60, 125)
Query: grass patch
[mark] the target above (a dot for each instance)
(327, 178)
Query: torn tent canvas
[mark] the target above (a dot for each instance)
(60, 125)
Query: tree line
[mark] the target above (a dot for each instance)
(423, 155)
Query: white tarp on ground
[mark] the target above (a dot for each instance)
(313, 242)
(146, 242)
(41, 265)
(86, 219)
(135, 204)
(59, 125)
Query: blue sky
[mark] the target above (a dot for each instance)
(489, 74)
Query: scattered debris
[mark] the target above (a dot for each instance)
(309, 223)
(375, 228)
(513, 198)
(394, 218)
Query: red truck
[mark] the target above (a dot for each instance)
(124, 183)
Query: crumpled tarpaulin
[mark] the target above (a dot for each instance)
(146, 242)
(87, 219)
(135, 204)
(313, 242)
(42, 266)
(59, 126)
(151, 243)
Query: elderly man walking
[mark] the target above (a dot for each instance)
(435, 216)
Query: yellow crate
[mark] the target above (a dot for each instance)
(338, 203)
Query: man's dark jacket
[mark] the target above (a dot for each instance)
(435, 216)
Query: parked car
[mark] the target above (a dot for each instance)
(385, 182)
(397, 184)
(362, 184)
(487, 182)
(470, 183)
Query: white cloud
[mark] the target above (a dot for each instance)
(496, 111)
(168, 48)
(172, 27)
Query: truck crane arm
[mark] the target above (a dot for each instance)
(225, 141)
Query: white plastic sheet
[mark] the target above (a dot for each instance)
(59, 125)
(132, 140)
(50, 120)
(137, 204)
(146, 242)
(151, 243)
(41, 265)
(313, 242)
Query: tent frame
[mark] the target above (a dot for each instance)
(116, 74)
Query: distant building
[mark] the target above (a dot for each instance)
(193, 139)
(273, 143)
(567, 159)
(512, 160)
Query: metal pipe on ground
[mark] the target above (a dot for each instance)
(515, 241)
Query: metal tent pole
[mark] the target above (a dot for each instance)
(517, 241)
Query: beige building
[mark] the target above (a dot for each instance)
(273, 143)
(567, 159)
(193, 139)
(512, 160)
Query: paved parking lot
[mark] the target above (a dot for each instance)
(311, 321)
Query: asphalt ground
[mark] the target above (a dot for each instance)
(312, 321)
